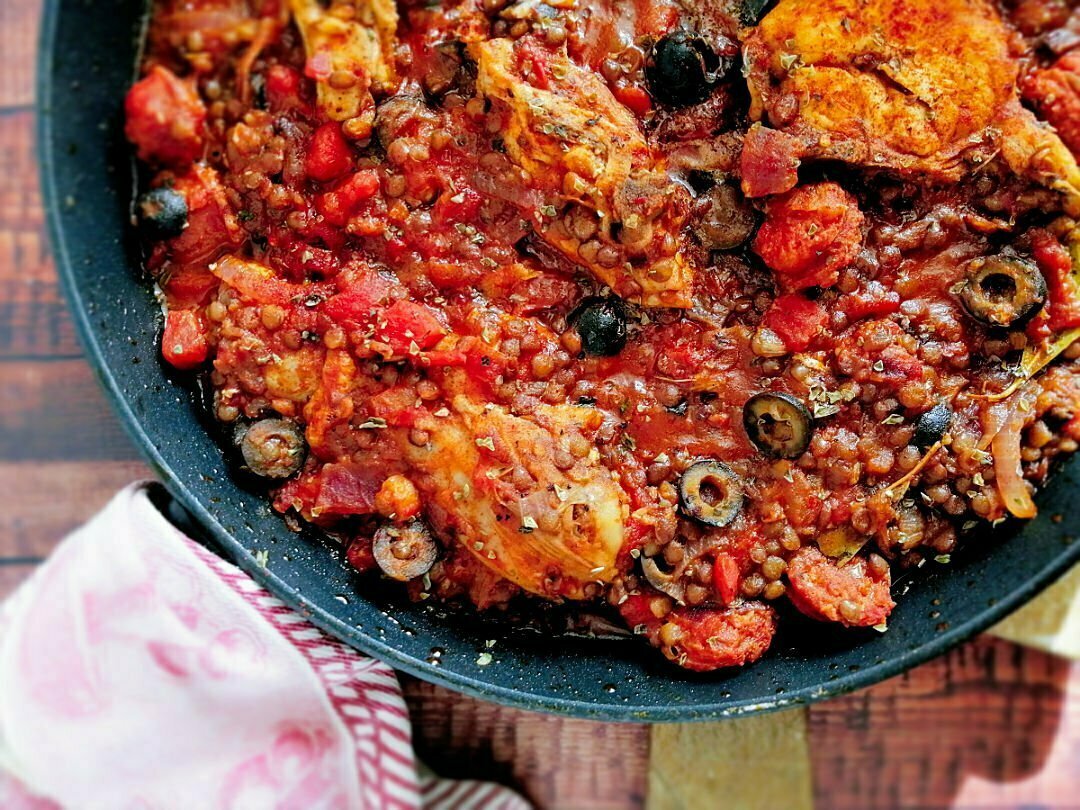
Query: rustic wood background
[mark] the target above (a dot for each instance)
(990, 726)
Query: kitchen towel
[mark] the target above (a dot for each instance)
(139, 671)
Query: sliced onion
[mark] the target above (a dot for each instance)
(1008, 475)
(669, 584)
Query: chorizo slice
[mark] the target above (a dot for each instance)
(706, 639)
(850, 594)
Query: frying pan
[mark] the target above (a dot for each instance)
(88, 50)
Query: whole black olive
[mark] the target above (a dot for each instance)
(931, 426)
(779, 425)
(273, 448)
(682, 69)
(710, 493)
(404, 552)
(1003, 290)
(162, 212)
(601, 323)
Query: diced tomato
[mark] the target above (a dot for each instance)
(342, 202)
(328, 155)
(212, 226)
(282, 88)
(165, 119)
(347, 489)
(450, 358)
(634, 98)
(408, 326)
(1055, 93)
(655, 17)
(874, 299)
(809, 235)
(680, 349)
(839, 510)
(636, 609)
(769, 162)
(299, 260)
(726, 578)
(1056, 266)
(460, 207)
(359, 300)
(360, 556)
(796, 320)
(184, 343)
(189, 286)
(397, 406)
(532, 61)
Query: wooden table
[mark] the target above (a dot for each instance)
(991, 725)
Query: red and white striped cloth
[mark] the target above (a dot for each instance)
(138, 671)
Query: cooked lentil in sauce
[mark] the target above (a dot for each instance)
(680, 307)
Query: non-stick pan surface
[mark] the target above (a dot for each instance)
(88, 49)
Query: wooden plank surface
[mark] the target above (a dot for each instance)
(991, 726)
(755, 763)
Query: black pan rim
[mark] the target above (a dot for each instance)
(480, 688)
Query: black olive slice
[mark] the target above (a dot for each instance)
(601, 323)
(931, 426)
(710, 493)
(404, 552)
(273, 448)
(682, 69)
(1003, 290)
(779, 425)
(162, 212)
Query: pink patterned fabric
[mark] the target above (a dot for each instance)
(142, 672)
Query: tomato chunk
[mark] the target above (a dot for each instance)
(704, 639)
(184, 343)
(849, 594)
(189, 286)
(769, 162)
(809, 235)
(165, 119)
(1055, 92)
(344, 200)
(726, 578)
(360, 555)
(282, 88)
(637, 609)
(212, 226)
(347, 489)
(329, 154)
(1056, 266)
(796, 320)
(410, 327)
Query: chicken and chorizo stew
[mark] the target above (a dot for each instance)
(682, 308)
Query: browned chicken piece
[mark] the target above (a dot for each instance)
(350, 51)
(617, 213)
(911, 85)
(492, 483)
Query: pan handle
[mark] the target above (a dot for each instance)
(181, 518)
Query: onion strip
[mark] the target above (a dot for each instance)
(1007, 472)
